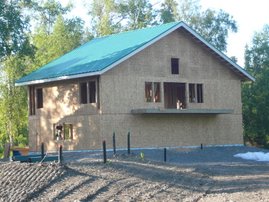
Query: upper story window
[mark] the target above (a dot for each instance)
(88, 92)
(31, 100)
(153, 91)
(39, 98)
(196, 93)
(175, 65)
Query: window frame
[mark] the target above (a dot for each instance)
(62, 135)
(196, 93)
(150, 94)
(175, 66)
(31, 100)
(86, 96)
(39, 98)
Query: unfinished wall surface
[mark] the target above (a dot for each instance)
(123, 88)
(221, 89)
(61, 105)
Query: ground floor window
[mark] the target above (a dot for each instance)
(196, 93)
(153, 91)
(63, 131)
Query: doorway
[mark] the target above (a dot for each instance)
(174, 92)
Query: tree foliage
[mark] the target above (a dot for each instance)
(213, 25)
(12, 28)
(256, 94)
(22, 52)
(136, 13)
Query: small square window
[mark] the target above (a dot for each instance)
(175, 65)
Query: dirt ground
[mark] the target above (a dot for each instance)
(133, 179)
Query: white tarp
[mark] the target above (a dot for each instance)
(256, 156)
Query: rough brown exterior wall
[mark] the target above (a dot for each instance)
(122, 89)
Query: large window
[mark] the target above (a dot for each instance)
(175, 65)
(153, 92)
(88, 92)
(196, 93)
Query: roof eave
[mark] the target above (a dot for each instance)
(41, 81)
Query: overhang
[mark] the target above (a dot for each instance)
(181, 111)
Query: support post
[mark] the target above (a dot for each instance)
(104, 150)
(202, 146)
(128, 143)
(114, 143)
(42, 150)
(164, 154)
(60, 154)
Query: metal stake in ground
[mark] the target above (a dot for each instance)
(114, 143)
(104, 150)
(42, 150)
(60, 154)
(164, 154)
(128, 143)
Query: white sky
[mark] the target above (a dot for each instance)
(250, 15)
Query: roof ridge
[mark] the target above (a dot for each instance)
(136, 30)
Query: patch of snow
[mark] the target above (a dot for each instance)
(256, 156)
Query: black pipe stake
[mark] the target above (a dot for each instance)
(42, 150)
(201, 146)
(114, 143)
(128, 143)
(104, 150)
(164, 154)
(60, 154)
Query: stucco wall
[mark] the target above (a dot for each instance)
(123, 89)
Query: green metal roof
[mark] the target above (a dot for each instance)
(102, 54)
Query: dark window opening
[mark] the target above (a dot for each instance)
(153, 91)
(196, 93)
(200, 93)
(83, 93)
(32, 100)
(92, 91)
(175, 65)
(39, 98)
(174, 95)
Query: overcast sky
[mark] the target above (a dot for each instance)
(250, 15)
